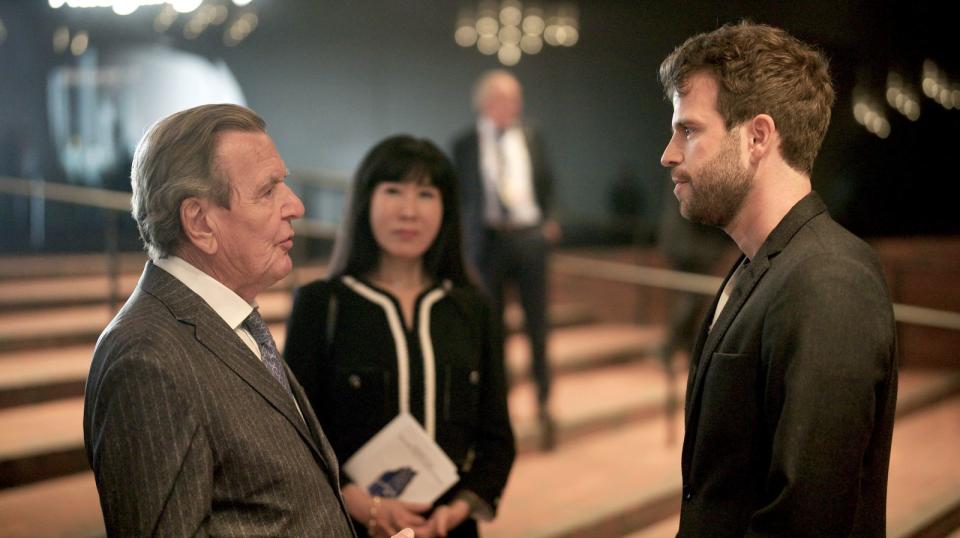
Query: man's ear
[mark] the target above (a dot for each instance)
(762, 136)
(195, 219)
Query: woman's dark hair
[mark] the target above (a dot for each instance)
(401, 158)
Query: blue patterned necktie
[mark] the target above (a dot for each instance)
(268, 349)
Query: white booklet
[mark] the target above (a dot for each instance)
(401, 461)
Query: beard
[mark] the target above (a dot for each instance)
(717, 194)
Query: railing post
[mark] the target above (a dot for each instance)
(38, 216)
(113, 258)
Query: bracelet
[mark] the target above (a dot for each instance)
(374, 510)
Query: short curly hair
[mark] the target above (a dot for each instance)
(175, 160)
(761, 70)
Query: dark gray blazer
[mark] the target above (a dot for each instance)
(791, 395)
(189, 434)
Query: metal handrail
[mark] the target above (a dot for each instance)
(607, 270)
(71, 194)
(120, 201)
(708, 285)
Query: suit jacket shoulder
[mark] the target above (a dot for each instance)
(183, 425)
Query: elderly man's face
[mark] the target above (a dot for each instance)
(254, 235)
(503, 102)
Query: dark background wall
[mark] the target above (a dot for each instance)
(333, 77)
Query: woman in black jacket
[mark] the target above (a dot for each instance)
(399, 328)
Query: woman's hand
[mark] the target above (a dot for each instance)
(385, 517)
(444, 518)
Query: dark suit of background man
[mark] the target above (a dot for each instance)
(793, 379)
(505, 188)
(192, 424)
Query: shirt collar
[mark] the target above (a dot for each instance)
(486, 128)
(227, 304)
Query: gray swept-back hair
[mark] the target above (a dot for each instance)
(176, 160)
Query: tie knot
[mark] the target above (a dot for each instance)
(258, 329)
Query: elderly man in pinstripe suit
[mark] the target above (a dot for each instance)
(192, 423)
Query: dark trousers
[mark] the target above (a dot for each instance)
(519, 257)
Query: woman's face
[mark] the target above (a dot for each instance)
(405, 218)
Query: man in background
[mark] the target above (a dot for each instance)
(792, 387)
(505, 189)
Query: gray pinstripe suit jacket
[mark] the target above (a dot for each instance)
(189, 434)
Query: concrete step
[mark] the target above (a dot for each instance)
(33, 292)
(17, 295)
(32, 375)
(74, 320)
(621, 481)
(29, 385)
(66, 507)
(600, 485)
(586, 346)
(630, 483)
(39, 375)
(44, 440)
(589, 361)
(603, 398)
(924, 483)
(70, 325)
(67, 265)
(41, 441)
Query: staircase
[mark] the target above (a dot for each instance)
(615, 471)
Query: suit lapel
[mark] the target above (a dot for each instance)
(749, 276)
(221, 340)
(702, 335)
(329, 457)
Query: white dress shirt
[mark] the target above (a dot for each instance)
(507, 176)
(227, 304)
(232, 308)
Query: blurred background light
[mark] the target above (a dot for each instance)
(902, 96)
(531, 44)
(465, 36)
(488, 44)
(510, 29)
(487, 25)
(509, 54)
(868, 113)
(79, 43)
(533, 21)
(511, 13)
(61, 39)
(509, 35)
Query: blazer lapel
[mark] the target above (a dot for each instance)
(749, 276)
(313, 424)
(702, 335)
(707, 344)
(223, 342)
